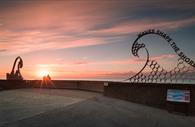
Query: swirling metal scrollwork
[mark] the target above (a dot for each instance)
(16, 75)
(184, 69)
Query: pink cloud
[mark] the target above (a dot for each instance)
(80, 63)
(33, 40)
(129, 61)
(165, 56)
(42, 40)
(58, 25)
(135, 61)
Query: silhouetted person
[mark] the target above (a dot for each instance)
(44, 78)
(48, 77)
(47, 81)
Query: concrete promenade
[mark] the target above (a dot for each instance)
(74, 108)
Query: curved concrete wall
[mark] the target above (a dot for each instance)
(152, 94)
(11, 84)
(96, 86)
(149, 94)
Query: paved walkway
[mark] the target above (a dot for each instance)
(73, 108)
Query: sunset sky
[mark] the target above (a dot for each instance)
(88, 39)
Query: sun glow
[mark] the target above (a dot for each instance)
(43, 73)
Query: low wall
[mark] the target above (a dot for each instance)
(11, 84)
(148, 93)
(96, 86)
(152, 95)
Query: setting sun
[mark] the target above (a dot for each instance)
(42, 73)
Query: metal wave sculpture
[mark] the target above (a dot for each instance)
(16, 75)
(183, 70)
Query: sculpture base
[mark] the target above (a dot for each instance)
(13, 77)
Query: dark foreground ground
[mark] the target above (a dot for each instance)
(73, 108)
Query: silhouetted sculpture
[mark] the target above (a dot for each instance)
(16, 75)
(184, 68)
